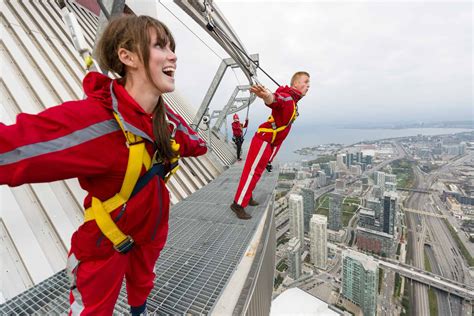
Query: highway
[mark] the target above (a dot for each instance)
(444, 284)
(444, 308)
(385, 298)
(444, 254)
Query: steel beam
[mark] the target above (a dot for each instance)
(207, 15)
(113, 7)
(203, 108)
(223, 113)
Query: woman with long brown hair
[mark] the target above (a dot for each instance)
(121, 142)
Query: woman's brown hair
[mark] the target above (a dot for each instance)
(133, 33)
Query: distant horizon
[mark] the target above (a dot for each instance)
(412, 123)
(305, 137)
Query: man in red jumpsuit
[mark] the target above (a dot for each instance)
(269, 137)
(238, 135)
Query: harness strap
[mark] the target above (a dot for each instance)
(99, 211)
(275, 130)
(156, 169)
(132, 184)
(121, 242)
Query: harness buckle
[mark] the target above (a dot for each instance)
(125, 246)
(129, 143)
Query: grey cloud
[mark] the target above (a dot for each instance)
(373, 60)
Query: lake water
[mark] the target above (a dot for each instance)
(299, 138)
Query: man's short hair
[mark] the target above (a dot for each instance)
(297, 75)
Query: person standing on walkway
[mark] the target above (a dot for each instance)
(122, 142)
(270, 135)
(238, 134)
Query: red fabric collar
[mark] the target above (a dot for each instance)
(97, 87)
(295, 94)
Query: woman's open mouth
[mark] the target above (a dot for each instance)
(169, 71)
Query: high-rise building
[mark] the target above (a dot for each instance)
(295, 203)
(326, 168)
(318, 240)
(390, 186)
(341, 159)
(454, 149)
(375, 241)
(356, 170)
(390, 178)
(379, 178)
(315, 168)
(360, 280)
(377, 191)
(308, 207)
(349, 160)
(335, 211)
(367, 218)
(361, 165)
(389, 212)
(300, 175)
(322, 178)
(294, 258)
(367, 159)
(332, 168)
(375, 205)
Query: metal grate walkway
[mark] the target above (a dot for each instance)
(205, 243)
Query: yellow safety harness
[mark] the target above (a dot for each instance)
(276, 129)
(137, 157)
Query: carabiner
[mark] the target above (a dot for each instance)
(175, 128)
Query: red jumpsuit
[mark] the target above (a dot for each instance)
(81, 139)
(238, 135)
(237, 128)
(261, 150)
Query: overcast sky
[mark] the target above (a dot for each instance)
(370, 61)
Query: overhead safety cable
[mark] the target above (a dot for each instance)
(213, 28)
(190, 30)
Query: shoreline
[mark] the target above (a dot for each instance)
(374, 140)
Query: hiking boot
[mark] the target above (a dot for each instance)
(139, 310)
(239, 211)
(252, 202)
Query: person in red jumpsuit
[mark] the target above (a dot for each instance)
(270, 135)
(238, 134)
(84, 140)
